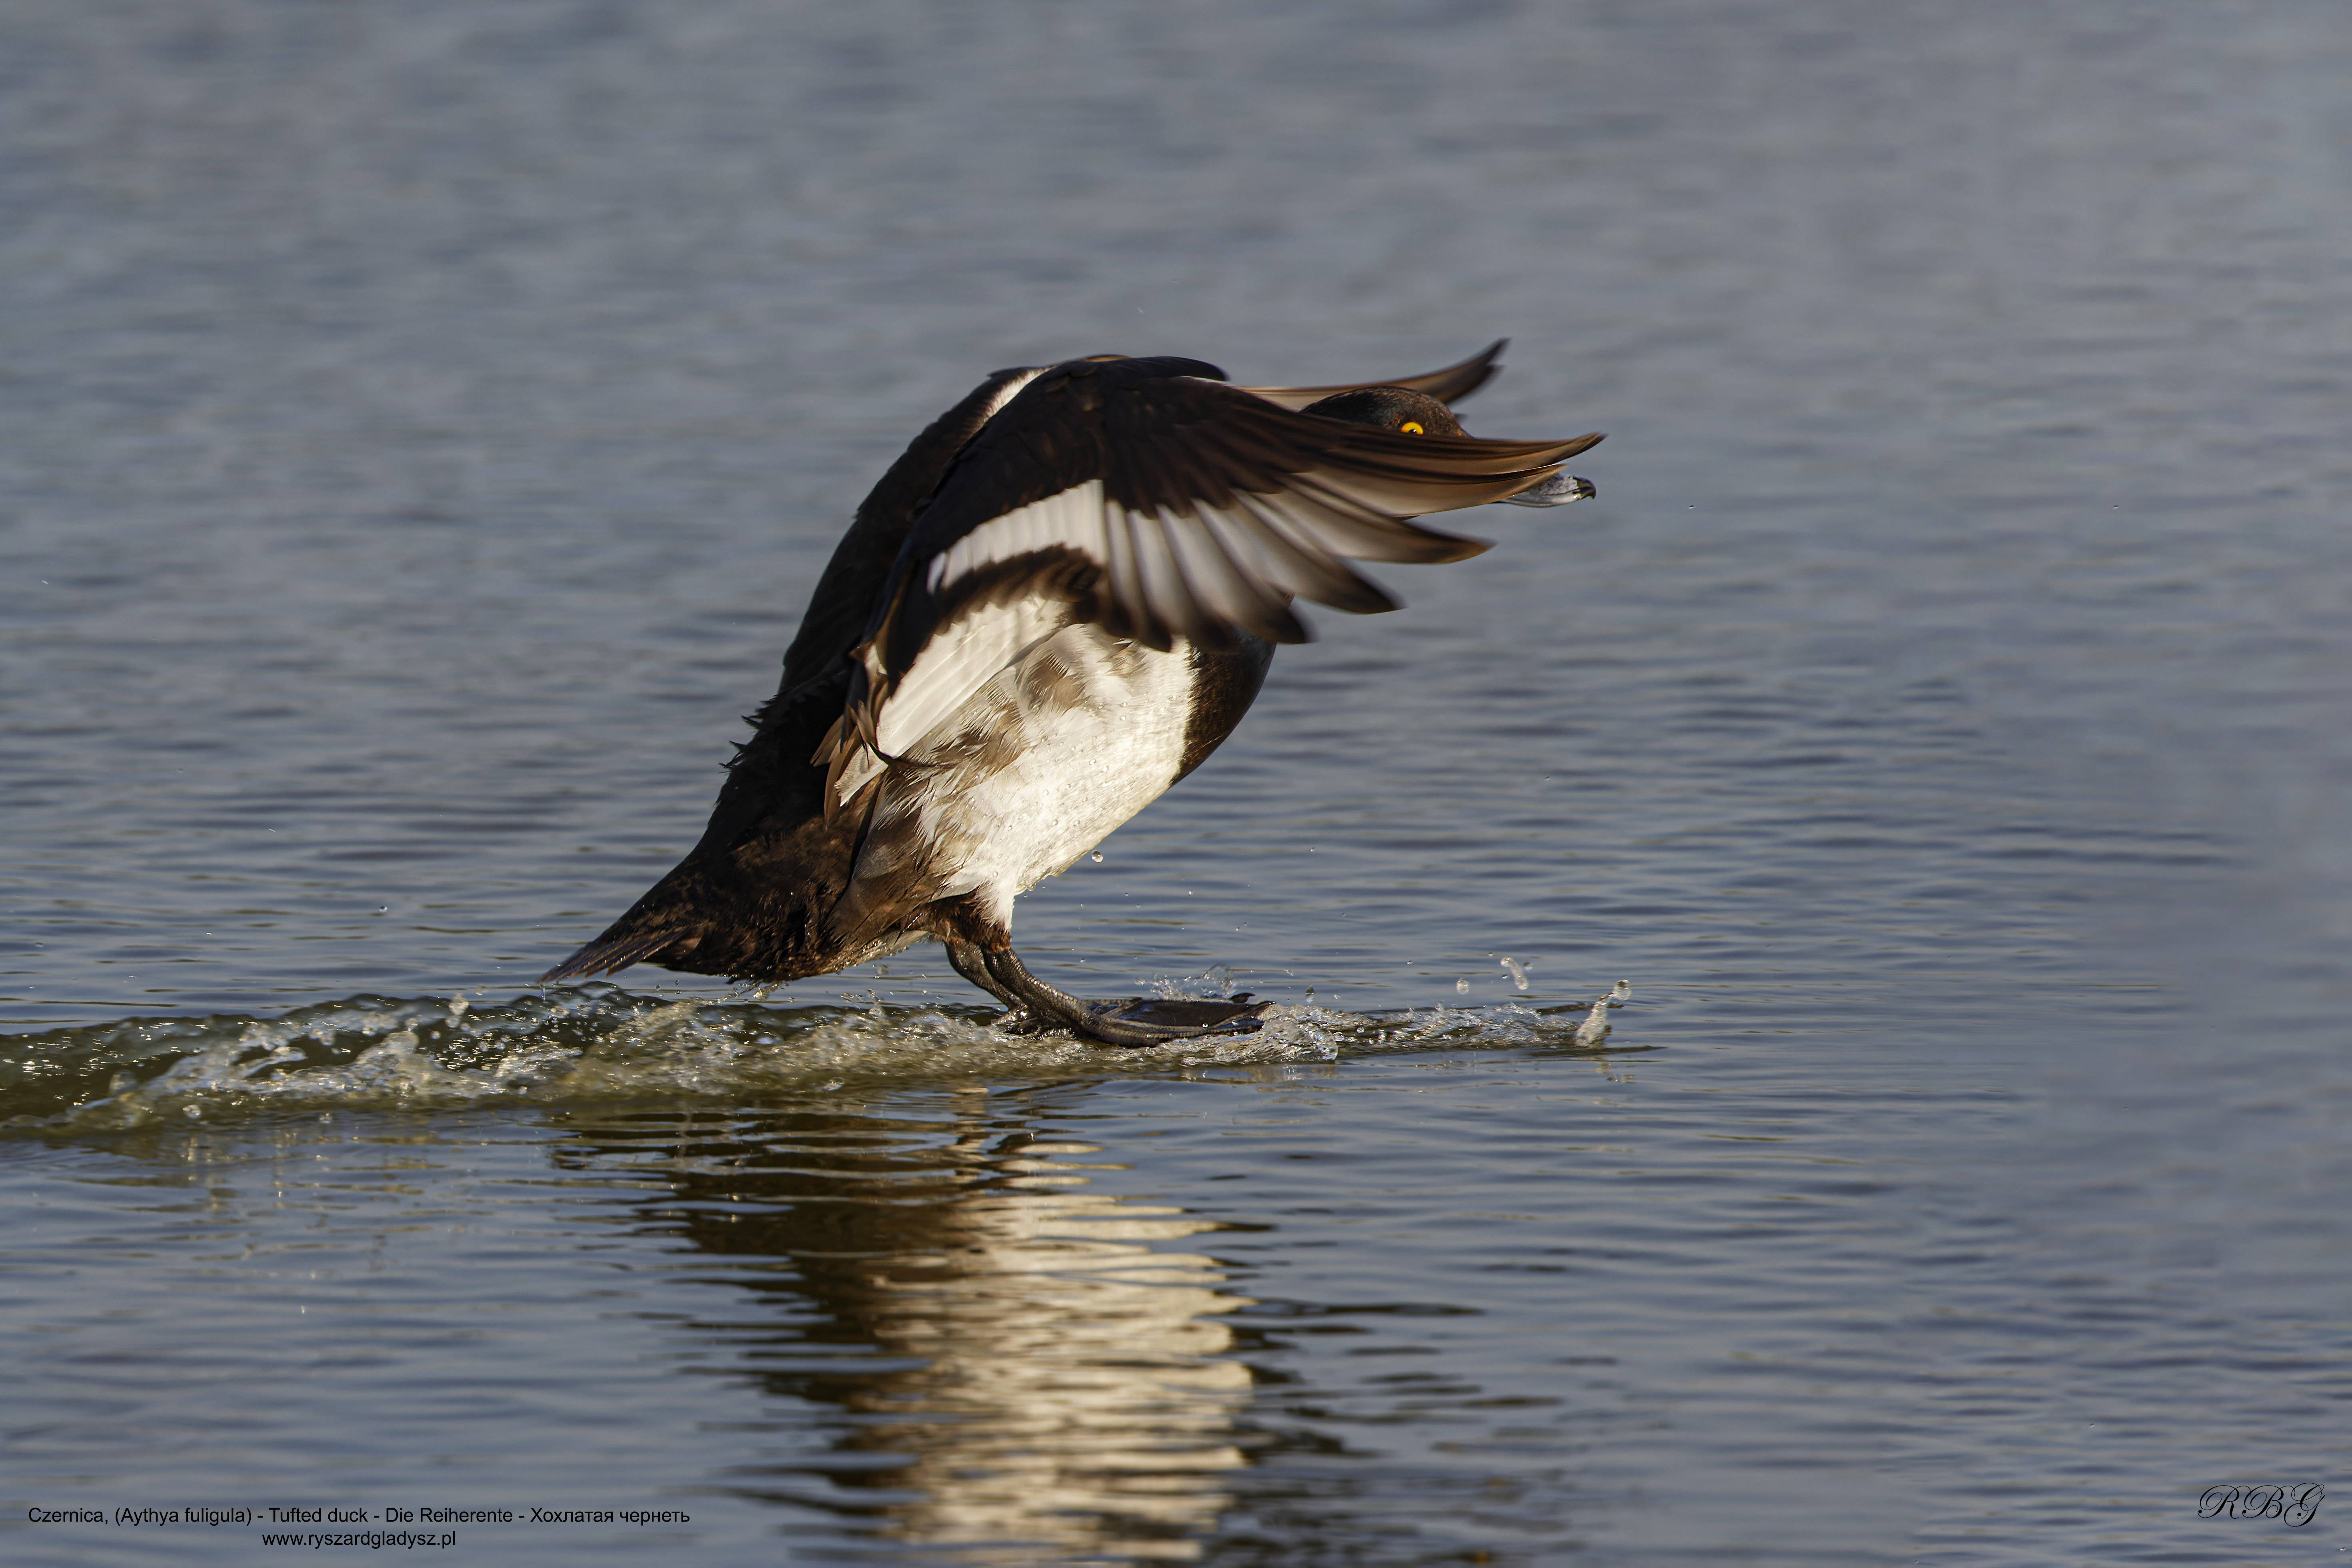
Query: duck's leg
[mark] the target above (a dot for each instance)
(971, 960)
(980, 946)
(1138, 1021)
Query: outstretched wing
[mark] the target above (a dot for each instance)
(1449, 385)
(1147, 497)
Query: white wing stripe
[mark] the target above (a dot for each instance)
(1091, 534)
(1234, 564)
(1126, 577)
(1162, 584)
(1072, 518)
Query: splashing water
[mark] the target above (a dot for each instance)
(1595, 1027)
(599, 1043)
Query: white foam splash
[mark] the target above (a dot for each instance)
(599, 1043)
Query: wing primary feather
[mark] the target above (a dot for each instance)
(1328, 528)
(1168, 604)
(1123, 589)
(1270, 587)
(1309, 571)
(1224, 590)
(1451, 385)
(1373, 535)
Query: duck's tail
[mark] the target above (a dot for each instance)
(753, 909)
(612, 952)
(663, 930)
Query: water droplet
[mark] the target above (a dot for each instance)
(1519, 973)
(1462, 987)
(1096, 856)
(191, 1111)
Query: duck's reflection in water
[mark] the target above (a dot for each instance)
(1025, 1368)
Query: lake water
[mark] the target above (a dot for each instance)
(422, 427)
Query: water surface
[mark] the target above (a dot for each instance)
(423, 427)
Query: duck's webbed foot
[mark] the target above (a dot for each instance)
(1138, 1021)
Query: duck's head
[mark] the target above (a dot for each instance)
(1393, 408)
(1404, 412)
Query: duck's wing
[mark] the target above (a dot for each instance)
(1449, 385)
(838, 611)
(1152, 499)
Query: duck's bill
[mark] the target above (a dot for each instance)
(1558, 491)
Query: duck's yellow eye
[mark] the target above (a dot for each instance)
(1410, 427)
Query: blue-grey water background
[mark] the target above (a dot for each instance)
(420, 426)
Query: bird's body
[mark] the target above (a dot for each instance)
(1056, 605)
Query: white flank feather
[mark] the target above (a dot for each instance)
(962, 656)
